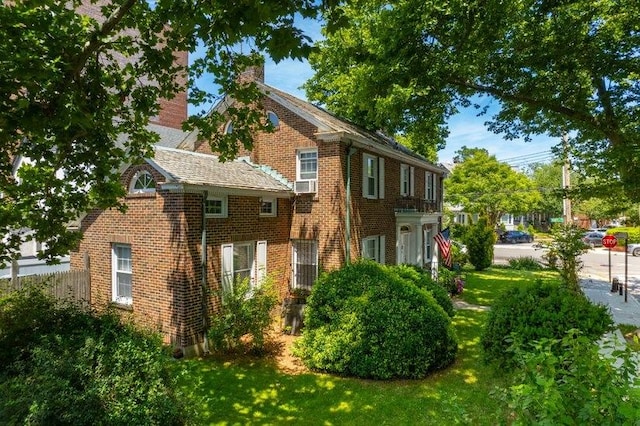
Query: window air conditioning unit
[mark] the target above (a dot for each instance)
(305, 186)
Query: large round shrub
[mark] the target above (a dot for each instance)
(424, 281)
(365, 321)
(537, 311)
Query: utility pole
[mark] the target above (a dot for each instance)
(566, 182)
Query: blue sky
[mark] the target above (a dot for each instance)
(465, 129)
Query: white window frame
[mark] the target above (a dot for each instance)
(117, 273)
(257, 255)
(374, 176)
(228, 127)
(306, 175)
(271, 117)
(296, 247)
(137, 177)
(273, 203)
(373, 248)
(429, 186)
(407, 180)
(224, 201)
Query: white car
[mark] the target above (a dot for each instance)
(633, 249)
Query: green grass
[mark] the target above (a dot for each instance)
(255, 392)
(484, 287)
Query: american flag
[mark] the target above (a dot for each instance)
(444, 244)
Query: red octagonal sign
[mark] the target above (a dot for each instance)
(609, 241)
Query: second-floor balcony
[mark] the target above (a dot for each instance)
(416, 205)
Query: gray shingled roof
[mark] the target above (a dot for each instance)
(191, 168)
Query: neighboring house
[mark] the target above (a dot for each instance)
(316, 192)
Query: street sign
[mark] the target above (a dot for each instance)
(621, 235)
(556, 220)
(609, 241)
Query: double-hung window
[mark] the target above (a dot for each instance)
(246, 260)
(372, 176)
(429, 186)
(407, 180)
(121, 274)
(305, 263)
(307, 164)
(373, 248)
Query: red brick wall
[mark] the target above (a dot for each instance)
(164, 231)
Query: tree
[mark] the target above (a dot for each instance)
(483, 185)
(547, 178)
(480, 240)
(80, 79)
(552, 67)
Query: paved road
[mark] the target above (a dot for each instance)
(595, 263)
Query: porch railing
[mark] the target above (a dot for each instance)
(415, 204)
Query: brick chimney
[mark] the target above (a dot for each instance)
(252, 73)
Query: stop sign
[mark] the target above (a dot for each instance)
(609, 241)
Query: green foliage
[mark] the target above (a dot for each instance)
(364, 320)
(422, 279)
(480, 240)
(458, 257)
(531, 230)
(633, 234)
(569, 381)
(411, 66)
(564, 252)
(450, 281)
(538, 311)
(244, 311)
(526, 263)
(68, 95)
(61, 365)
(483, 185)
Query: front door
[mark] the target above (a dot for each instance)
(404, 248)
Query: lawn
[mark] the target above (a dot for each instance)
(255, 392)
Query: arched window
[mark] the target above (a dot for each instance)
(142, 182)
(273, 119)
(228, 128)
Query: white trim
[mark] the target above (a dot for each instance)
(224, 206)
(115, 294)
(298, 161)
(274, 206)
(261, 262)
(136, 177)
(381, 177)
(366, 158)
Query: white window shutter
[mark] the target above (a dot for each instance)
(381, 178)
(227, 266)
(412, 181)
(364, 175)
(381, 247)
(261, 261)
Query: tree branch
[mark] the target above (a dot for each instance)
(96, 40)
(500, 94)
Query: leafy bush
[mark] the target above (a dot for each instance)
(244, 311)
(480, 240)
(569, 381)
(422, 279)
(62, 365)
(364, 320)
(458, 257)
(450, 281)
(565, 249)
(538, 311)
(525, 263)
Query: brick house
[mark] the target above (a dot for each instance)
(312, 194)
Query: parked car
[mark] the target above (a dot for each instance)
(593, 239)
(513, 237)
(633, 249)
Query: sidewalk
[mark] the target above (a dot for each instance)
(598, 290)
